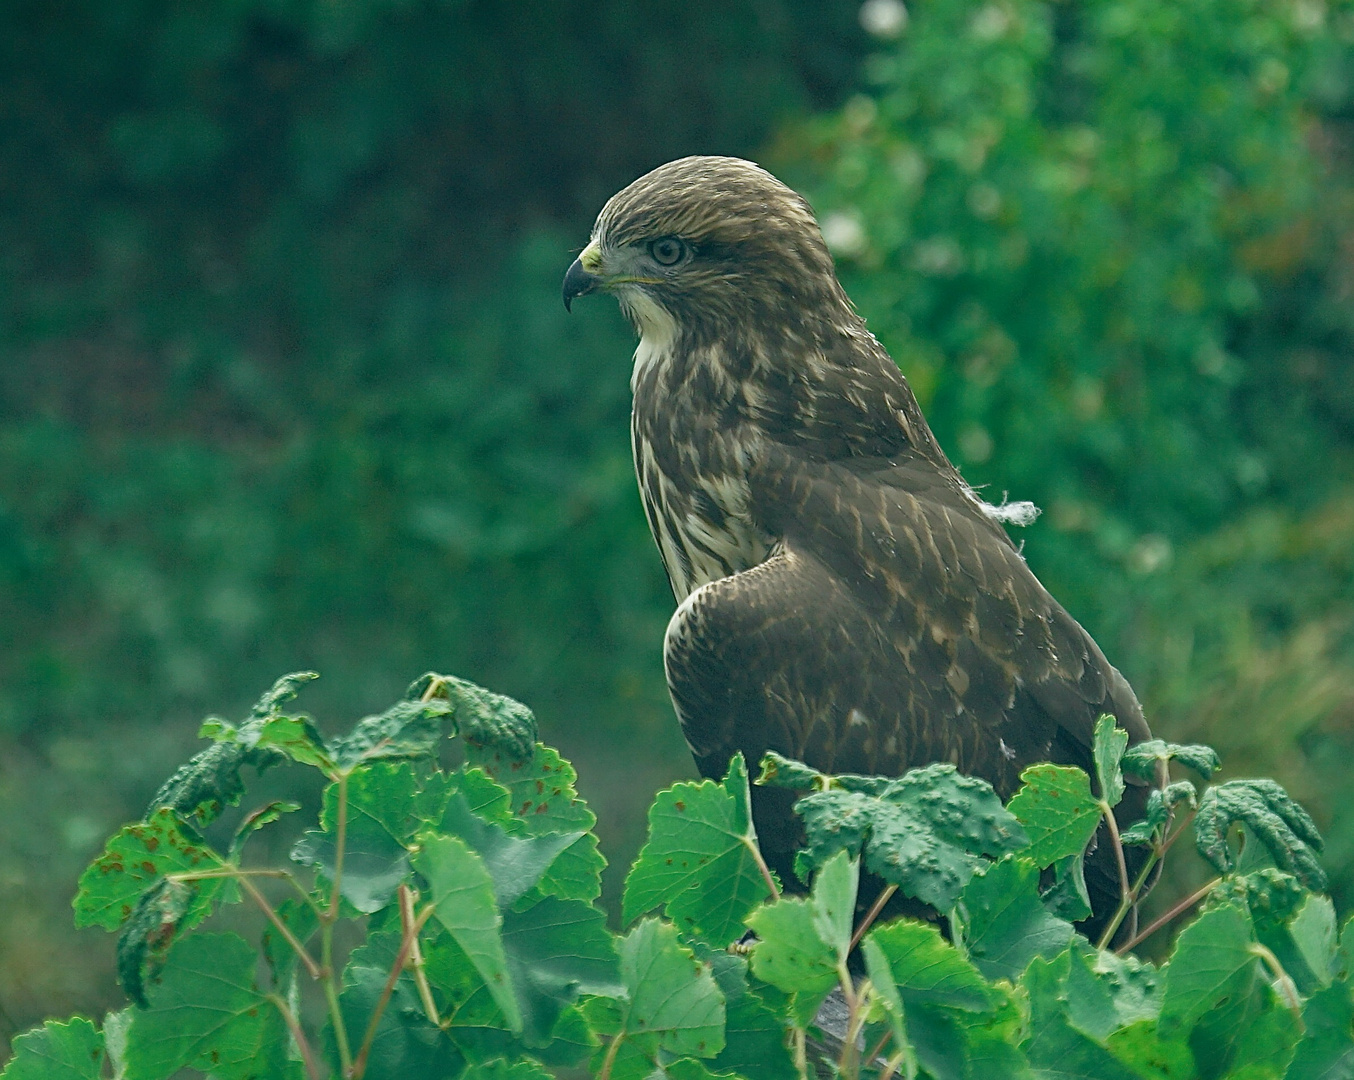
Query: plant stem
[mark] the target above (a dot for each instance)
(1179, 909)
(1284, 983)
(847, 1063)
(299, 1037)
(801, 1054)
(359, 1065)
(610, 1059)
(1125, 889)
(327, 920)
(883, 898)
(772, 890)
(312, 968)
(412, 925)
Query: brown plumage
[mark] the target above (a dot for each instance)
(844, 597)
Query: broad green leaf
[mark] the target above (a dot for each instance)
(385, 806)
(834, 902)
(671, 994)
(691, 1069)
(134, 860)
(488, 722)
(1280, 824)
(1267, 1043)
(541, 788)
(1144, 759)
(1056, 1049)
(885, 985)
(783, 772)
(555, 951)
(1057, 810)
(1326, 1051)
(1313, 933)
(1212, 965)
(406, 729)
(1140, 1047)
(1108, 751)
(928, 969)
(577, 873)
(699, 860)
(503, 1070)
(1160, 803)
(926, 832)
(1067, 897)
(463, 895)
(1005, 922)
(514, 864)
(406, 1043)
(207, 1014)
(208, 783)
(1106, 992)
(754, 1041)
(295, 737)
(57, 1051)
(791, 955)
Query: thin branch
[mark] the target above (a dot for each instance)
(340, 843)
(1125, 889)
(883, 898)
(411, 927)
(298, 1035)
(1176, 911)
(771, 888)
(359, 1065)
(610, 1059)
(327, 920)
(1284, 982)
(312, 968)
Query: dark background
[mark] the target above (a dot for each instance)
(285, 381)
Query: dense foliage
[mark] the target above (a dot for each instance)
(483, 954)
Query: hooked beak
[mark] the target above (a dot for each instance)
(578, 282)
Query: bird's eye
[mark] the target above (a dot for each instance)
(667, 251)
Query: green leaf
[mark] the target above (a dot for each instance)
(1005, 923)
(284, 690)
(295, 737)
(1313, 933)
(503, 1070)
(207, 1014)
(148, 934)
(925, 832)
(541, 788)
(257, 819)
(1266, 1046)
(300, 918)
(464, 903)
(754, 1040)
(1160, 803)
(1326, 1051)
(1109, 743)
(406, 1044)
(407, 729)
(1106, 992)
(1144, 759)
(1140, 1047)
(515, 865)
(385, 805)
(555, 951)
(782, 772)
(1057, 811)
(700, 859)
(834, 902)
(1284, 827)
(134, 860)
(791, 955)
(489, 722)
(1212, 966)
(1067, 897)
(1056, 1049)
(670, 993)
(928, 969)
(885, 985)
(57, 1051)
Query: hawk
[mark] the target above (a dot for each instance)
(843, 596)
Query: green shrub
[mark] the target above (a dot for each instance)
(464, 898)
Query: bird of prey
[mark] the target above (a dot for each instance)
(844, 597)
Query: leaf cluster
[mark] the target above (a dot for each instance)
(481, 953)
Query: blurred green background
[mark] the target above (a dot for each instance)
(285, 381)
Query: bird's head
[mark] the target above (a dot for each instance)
(704, 244)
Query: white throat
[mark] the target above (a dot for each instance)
(657, 330)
